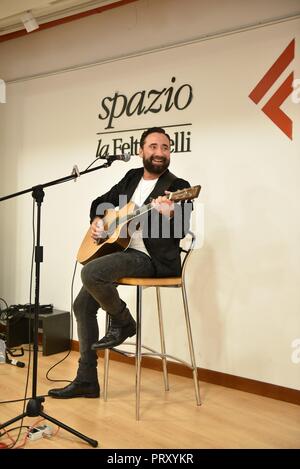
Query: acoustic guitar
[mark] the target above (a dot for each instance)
(116, 236)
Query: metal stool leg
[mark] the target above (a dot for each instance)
(106, 363)
(138, 354)
(191, 346)
(162, 339)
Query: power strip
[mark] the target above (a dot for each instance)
(35, 433)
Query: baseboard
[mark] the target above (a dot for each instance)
(215, 377)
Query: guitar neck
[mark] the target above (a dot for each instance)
(139, 211)
(180, 195)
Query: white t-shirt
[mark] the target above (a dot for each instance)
(144, 188)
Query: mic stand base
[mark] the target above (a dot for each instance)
(35, 409)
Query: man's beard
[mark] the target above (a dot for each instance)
(156, 169)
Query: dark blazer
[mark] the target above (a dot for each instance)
(164, 251)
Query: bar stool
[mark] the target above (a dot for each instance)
(169, 282)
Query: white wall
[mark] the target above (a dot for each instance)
(243, 283)
(137, 27)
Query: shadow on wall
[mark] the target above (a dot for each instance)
(10, 151)
(207, 325)
(8, 243)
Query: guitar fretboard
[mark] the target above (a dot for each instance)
(139, 211)
(180, 195)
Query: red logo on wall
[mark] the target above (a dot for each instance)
(272, 107)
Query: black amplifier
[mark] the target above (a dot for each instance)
(15, 325)
(28, 308)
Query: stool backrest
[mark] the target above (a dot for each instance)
(186, 247)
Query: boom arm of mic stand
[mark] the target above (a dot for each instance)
(71, 177)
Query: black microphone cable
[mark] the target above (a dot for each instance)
(71, 335)
(93, 162)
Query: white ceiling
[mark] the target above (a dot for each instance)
(42, 10)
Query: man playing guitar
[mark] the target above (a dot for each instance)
(151, 251)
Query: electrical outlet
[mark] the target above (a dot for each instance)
(39, 431)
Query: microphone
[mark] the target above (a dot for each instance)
(15, 362)
(110, 158)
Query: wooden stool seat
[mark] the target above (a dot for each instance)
(151, 282)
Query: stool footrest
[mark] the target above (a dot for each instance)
(151, 352)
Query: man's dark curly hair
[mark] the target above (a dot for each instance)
(153, 130)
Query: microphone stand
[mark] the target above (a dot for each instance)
(34, 406)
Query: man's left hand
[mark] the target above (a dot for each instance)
(164, 205)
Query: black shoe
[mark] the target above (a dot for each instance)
(116, 335)
(76, 389)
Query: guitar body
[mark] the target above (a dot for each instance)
(117, 239)
(117, 227)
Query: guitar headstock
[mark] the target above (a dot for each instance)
(185, 194)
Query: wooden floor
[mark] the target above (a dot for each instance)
(226, 419)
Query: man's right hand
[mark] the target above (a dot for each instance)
(97, 228)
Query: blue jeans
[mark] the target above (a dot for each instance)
(99, 290)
